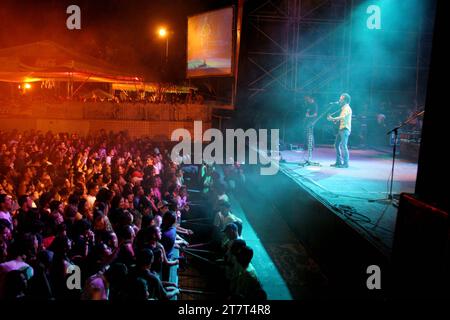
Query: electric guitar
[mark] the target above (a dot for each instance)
(333, 120)
(323, 114)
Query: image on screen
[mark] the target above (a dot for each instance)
(209, 47)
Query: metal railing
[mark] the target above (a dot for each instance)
(72, 110)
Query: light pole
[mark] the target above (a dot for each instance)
(163, 33)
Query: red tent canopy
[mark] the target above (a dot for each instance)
(47, 60)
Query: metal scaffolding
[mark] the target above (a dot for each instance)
(411, 63)
(298, 47)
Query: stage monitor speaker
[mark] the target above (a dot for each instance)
(420, 253)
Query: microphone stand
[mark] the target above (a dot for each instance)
(390, 196)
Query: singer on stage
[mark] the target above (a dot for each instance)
(345, 127)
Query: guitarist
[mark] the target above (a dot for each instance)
(345, 127)
(310, 115)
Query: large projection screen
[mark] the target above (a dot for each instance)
(210, 44)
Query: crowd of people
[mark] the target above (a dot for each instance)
(143, 97)
(106, 208)
(160, 95)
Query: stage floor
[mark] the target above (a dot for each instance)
(353, 193)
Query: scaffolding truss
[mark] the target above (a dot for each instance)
(297, 47)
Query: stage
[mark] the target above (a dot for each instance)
(362, 188)
(336, 218)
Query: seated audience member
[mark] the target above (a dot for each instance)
(220, 195)
(138, 290)
(152, 237)
(83, 239)
(97, 259)
(117, 277)
(231, 265)
(117, 207)
(85, 210)
(22, 250)
(61, 268)
(5, 239)
(231, 234)
(25, 215)
(125, 253)
(110, 239)
(106, 285)
(135, 215)
(56, 217)
(245, 285)
(157, 290)
(39, 287)
(169, 232)
(206, 178)
(148, 221)
(163, 207)
(101, 223)
(16, 285)
(5, 208)
(224, 217)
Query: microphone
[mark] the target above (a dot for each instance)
(335, 102)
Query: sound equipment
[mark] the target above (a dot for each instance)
(420, 253)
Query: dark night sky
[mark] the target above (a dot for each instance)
(122, 32)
